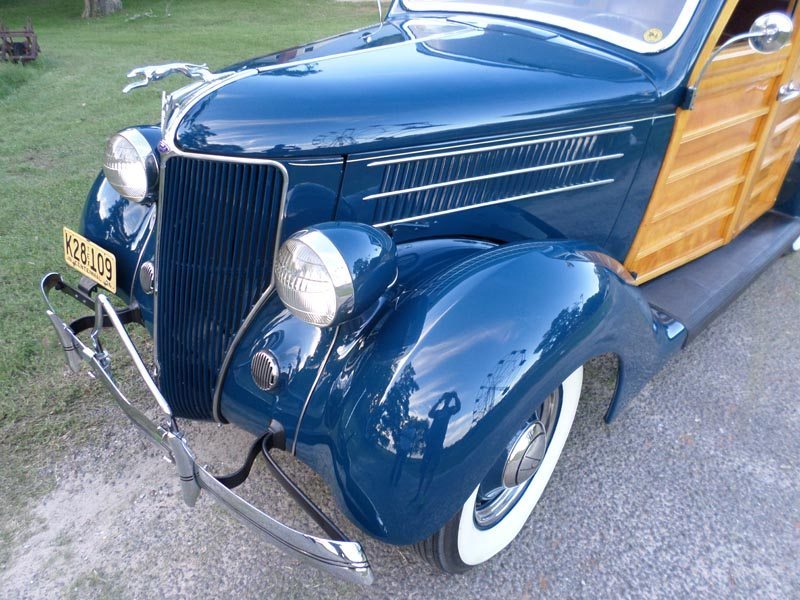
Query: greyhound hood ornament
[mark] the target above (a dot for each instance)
(155, 72)
(170, 102)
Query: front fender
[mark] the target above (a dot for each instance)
(407, 421)
(120, 226)
(126, 229)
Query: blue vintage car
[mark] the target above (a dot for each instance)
(390, 253)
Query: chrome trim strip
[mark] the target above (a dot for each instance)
(313, 388)
(310, 163)
(587, 131)
(267, 292)
(569, 188)
(152, 227)
(433, 186)
(528, 142)
(169, 129)
(595, 31)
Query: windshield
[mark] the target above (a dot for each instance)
(641, 25)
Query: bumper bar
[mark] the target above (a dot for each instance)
(341, 557)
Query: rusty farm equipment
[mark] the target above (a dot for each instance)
(19, 45)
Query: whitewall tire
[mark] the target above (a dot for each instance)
(464, 542)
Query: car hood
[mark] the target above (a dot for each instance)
(410, 83)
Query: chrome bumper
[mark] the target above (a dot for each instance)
(342, 558)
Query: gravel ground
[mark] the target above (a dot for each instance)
(693, 491)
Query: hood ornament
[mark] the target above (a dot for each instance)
(155, 72)
(170, 102)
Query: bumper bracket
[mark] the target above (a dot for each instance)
(338, 555)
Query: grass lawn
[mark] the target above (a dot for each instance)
(55, 116)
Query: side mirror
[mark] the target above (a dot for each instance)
(771, 32)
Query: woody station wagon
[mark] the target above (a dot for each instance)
(391, 252)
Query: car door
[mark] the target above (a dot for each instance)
(729, 154)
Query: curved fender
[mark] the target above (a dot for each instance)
(301, 349)
(120, 226)
(406, 421)
(126, 229)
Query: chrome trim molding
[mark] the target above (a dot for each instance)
(569, 188)
(267, 292)
(313, 388)
(151, 226)
(341, 558)
(433, 186)
(311, 163)
(584, 130)
(503, 146)
(195, 95)
(602, 33)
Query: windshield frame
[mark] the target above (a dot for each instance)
(609, 35)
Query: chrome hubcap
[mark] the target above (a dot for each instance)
(524, 460)
(526, 455)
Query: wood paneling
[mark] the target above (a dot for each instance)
(779, 146)
(726, 159)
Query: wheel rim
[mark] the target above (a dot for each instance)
(493, 504)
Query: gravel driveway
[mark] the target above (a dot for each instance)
(693, 491)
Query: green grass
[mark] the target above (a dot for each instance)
(55, 116)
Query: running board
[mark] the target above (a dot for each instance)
(696, 293)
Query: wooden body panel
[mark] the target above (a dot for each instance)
(779, 149)
(726, 161)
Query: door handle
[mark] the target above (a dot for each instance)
(789, 92)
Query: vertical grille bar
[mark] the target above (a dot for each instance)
(219, 223)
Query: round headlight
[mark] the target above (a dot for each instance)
(332, 272)
(130, 165)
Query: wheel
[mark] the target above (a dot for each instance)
(495, 512)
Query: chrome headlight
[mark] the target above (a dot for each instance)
(131, 165)
(332, 272)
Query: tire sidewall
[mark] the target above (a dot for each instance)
(476, 545)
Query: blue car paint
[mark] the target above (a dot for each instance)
(588, 215)
(125, 229)
(317, 118)
(669, 70)
(119, 226)
(402, 424)
(470, 82)
(301, 348)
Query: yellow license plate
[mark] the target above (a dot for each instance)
(90, 259)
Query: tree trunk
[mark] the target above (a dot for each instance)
(100, 8)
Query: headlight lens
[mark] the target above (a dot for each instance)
(312, 278)
(333, 272)
(130, 165)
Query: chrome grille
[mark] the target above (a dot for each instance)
(218, 229)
